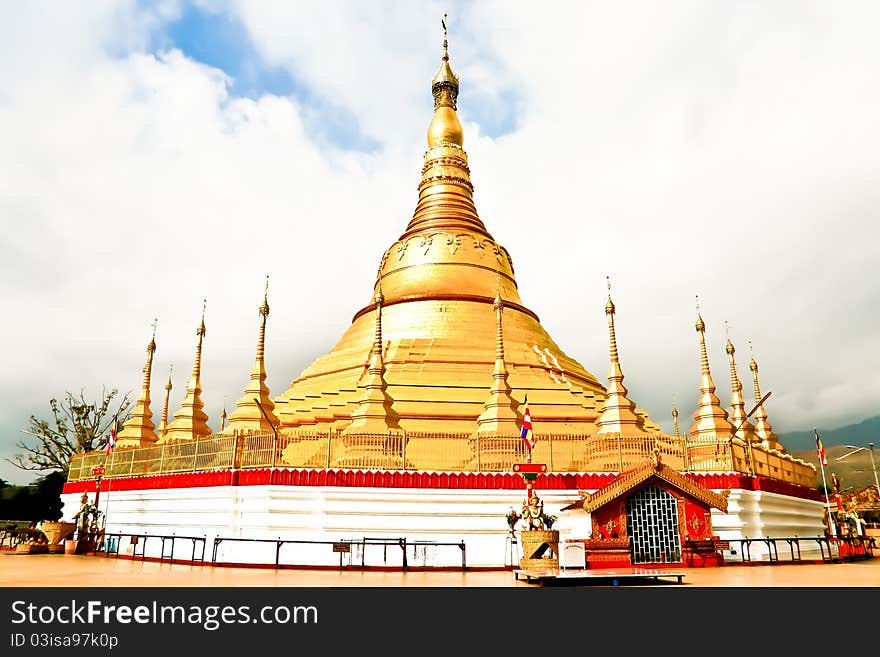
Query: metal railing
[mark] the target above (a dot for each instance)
(110, 543)
(831, 550)
(443, 452)
(354, 548)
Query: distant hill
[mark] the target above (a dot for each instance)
(854, 471)
(866, 431)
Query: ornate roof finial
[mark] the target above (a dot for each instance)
(700, 325)
(609, 307)
(264, 307)
(152, 346)
(445, 43)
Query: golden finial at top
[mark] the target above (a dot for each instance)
(152, 346)
(379, 298)
(752, 364)
(264, 307)
(201, 329)
(700, 325)
(498, 304)
(445, 77)
(445, 127)
(609, 307)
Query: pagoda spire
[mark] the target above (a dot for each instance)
(374, 412)
(500, 415)
(163, 424)
(139, 429)
(710, 420)
(445, 192)
(675, 420)
(619, 415)
(191, 421)
(737, 404)
(763, 429)
(255, 411)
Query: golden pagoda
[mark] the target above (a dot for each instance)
(443, 283)
(191, 421)
(255, 411)
(139, 430)
(710, 420)
(619, 414)
(745, 430)
(763, 429)
(163, 423)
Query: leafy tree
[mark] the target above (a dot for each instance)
(77, 425)
(39, 501)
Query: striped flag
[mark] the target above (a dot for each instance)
(526, 431)
(820, 448)
(111, 442)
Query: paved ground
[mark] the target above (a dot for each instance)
(70, 570)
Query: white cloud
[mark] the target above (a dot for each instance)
(725, 150)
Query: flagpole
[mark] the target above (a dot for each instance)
(825, 487)
(110, 470)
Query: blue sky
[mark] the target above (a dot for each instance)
(219, 39)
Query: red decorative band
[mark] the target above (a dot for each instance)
(409, 479)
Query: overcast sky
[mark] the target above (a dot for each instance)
(156, 154)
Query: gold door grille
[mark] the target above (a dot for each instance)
(652, 526)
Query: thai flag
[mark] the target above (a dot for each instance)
(111, 442)
(526, 432)
(821, 449)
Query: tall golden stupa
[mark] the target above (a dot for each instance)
(437, 284)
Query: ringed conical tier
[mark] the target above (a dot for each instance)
(439, 282)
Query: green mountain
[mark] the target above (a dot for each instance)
(855, 471)
(866, 431)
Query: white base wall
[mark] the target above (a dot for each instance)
(331, 513)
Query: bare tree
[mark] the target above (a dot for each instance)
(76, 426)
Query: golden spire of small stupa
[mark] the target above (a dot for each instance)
(500, 415)
(223, 419)
(374, 412)
(191, 421)
(710, 420)
(255, 411)
(763, 429)
(163, 424)
(737, 404)
(139, 429)
(619, 414)
(675, 417)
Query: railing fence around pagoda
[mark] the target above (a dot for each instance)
(442, 452)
